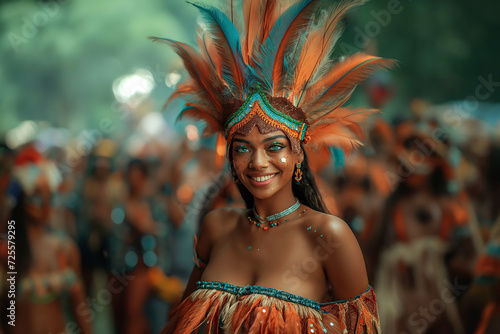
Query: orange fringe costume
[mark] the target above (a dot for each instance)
(218, 307)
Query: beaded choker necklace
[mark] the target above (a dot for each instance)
(273, 223)
(278, 215)
(273, 219)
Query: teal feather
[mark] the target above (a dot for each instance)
(339, 159)
(226, 38)
(265, 60)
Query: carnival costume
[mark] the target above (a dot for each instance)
(41, 288)
(275, 72)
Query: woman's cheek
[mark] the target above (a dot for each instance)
(282, 162)
(240, 166)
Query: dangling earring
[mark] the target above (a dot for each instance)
(235, 178)
(298, 174)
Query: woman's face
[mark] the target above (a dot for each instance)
(38, 204)
(264, 163)
(136, 178)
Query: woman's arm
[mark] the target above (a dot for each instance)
(344, 267)
(355, 310)
(80, 308)
(209, 232)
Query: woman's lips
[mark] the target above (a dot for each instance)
(264, 180)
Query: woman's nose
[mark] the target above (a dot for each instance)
(260, 160)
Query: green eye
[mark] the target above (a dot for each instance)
(241, 149)
(276, 146)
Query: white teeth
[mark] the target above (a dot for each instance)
(262, 178)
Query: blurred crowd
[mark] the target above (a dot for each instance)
(103, 241)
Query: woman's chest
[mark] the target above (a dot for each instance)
(284, 258)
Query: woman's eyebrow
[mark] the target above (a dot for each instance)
(241, 140)
(265, 140)
(273, 137)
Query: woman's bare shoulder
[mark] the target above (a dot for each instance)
(221, 221)
(343, 261)
(330, 231)
(327, 224)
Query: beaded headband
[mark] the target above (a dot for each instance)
(258, 105)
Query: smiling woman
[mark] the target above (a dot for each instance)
(282, 265)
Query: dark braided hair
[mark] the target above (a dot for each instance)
(306, 190)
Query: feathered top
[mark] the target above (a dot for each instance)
(282, 50)
(217, 307)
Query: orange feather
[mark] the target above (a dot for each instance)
(198, 112)
(182, 89)
(209, 52)
(242, 313)
(273, 10)
(293, 323)
(193, 314)
(318, 157)
(275, 322)
(289, 41)
(199, 70)
(307, 63)
(336, 135)
(336, 87)
(259, 320)
(252, 15)
(350, 118)
(319, 44)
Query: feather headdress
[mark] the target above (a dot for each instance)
(283, 52)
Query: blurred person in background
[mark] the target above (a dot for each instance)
(422, 219)
(142, 244)
(481, 310)
(360, 200)
(50, 294)
(65, 199)
(6, 163)
(97, 193)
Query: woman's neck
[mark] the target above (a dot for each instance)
(277, 203)
(136, 194)
(35, 231)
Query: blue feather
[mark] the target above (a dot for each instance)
(215, 20)
(181, 114)
(266, 59)
(339, 158)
